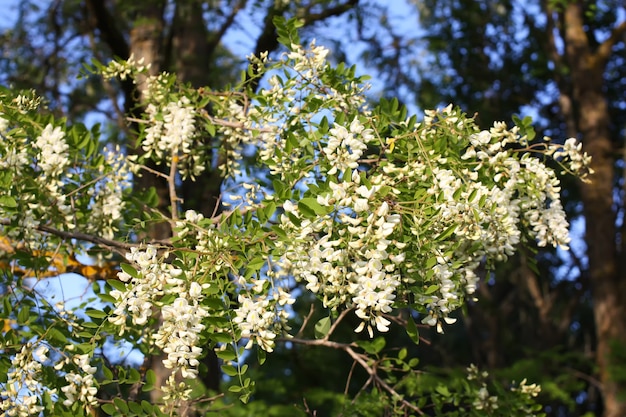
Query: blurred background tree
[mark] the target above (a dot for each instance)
(561, 323)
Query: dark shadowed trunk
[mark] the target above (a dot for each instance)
(607, 284)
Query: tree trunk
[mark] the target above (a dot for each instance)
(190, 57)
(587, 70)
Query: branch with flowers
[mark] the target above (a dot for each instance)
(371, 211)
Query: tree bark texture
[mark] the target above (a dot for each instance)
(608, 286)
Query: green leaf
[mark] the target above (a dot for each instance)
(7, 201)
(262, 356)
(6, 304)
(373, 347)
(23, 315)
(322, 327)
(117, 285)
(56, 335)
(270, 209)
(446, 233)
(133, 376)
(310, 207)
(221, 337)
(443, 390)
(227, 354)
(109, 409)
(150, 377)
(245, 397)
(255, 264)
(135, 408)
(108, 374)
(147, 406)
(129, 270)
(96, 314)
(411, 331)
(121, 405)
(402, 354)
(229, 370)
(431, 289)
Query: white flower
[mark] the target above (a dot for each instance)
(53, 149)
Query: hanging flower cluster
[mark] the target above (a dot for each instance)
(143, 291)
(22, 391)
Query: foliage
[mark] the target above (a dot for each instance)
(386, 220)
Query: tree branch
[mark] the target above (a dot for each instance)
(216, 37)
(358, 358)
(109, 31)
(114, 245)
(605, 49)
(310, 18)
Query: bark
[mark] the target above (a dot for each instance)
(587, 69)
(190, 57)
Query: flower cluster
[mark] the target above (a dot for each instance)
(484, 401)
(52, 150)
(123, 69)
(572, 154)
(347, 256)
(107, 204)
(141, 288)
(255, 319)
(261, 315)
(308, 61)
(171, 133)
(179, 334)
(345, 147)
(81, 386)
(22, 391)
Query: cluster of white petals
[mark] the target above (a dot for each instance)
(179, 334)
(141, 291)
(348, 256)
(308, 61)
(21, 393)
(81, 386)
(124, 69)
(255, 318)
(261, 315)
(173, 131)
(345, 146)
(52, 150)
(108, 203)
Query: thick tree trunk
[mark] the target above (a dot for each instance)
(146, 42)
(587, 69)
(190, 59)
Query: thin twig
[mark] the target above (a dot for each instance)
(358, 358)
(171, 181)
(153, 171)
(370, 370)
(343, 314)
(306, 320)
(345, 391)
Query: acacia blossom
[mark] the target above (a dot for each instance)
(52, 150)
(22, 391)
(179, 335)
(171, 134)
(82, 386)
